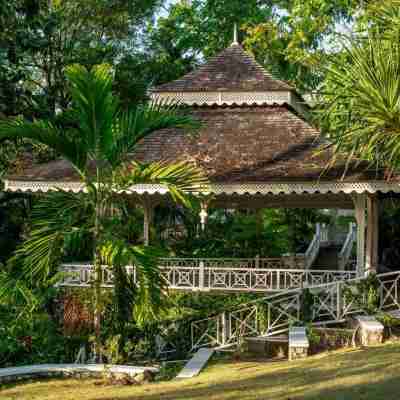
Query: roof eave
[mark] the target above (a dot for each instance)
(246, 188)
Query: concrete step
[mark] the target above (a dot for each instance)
(196, 363)
(271, 346)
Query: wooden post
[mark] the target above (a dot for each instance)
(148, 209)
(359, 202)
(371, 256)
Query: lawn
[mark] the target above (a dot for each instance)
(365, 374)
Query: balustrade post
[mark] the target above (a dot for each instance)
(201, 275)
(223, 328)
(278, 280)
(192, 333)
(257, 261)
(339, 301)
(381, 294)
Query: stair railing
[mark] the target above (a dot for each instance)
(313, 249)
(346, 250)
(273, 315)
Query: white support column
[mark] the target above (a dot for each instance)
(203, 215)
(371, 256)
(359, 202)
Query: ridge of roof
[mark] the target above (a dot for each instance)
(233, 69)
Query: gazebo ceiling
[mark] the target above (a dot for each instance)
(257, 147)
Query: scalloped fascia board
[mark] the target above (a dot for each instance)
(221, 98)
(223, 188)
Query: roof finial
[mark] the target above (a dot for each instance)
(235, 34)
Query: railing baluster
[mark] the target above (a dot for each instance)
(339, 304)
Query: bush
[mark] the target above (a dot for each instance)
(33, 341)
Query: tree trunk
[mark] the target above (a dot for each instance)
(98, 270)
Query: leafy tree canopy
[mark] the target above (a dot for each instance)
(39, 38)
(290, 38)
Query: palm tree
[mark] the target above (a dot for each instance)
(99, 145)
(361, 107)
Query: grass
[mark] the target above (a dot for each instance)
(362, 374)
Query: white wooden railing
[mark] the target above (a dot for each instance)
(313, 249)
(215, 274)
(345, 252)
(274, 314)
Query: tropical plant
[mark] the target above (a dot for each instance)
(99, 146)
(361, 103)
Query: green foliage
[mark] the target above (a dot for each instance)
(39, 38)
(361, 112)
(239, 233)
(99, 144)
(290, 38)
(29, 341)
(169, 370)
(29, 329)
(364, 294)
(313, 336)
(306, 306)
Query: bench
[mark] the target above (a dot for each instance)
(371, 330)
(298, 343)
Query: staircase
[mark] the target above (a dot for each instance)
(334, 252)
(270, 316)
(328, 257)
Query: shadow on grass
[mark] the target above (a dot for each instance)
(362, 375)
(370, 374)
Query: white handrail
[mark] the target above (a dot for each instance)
(347, 247)
(281, 310)
(313, 249)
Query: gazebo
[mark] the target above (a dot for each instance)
(258, 150)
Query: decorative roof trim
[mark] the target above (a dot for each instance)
(42, 186)
(218, 189)
(221, 98)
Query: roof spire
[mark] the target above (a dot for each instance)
(235, 34)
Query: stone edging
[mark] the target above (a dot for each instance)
(53, 370)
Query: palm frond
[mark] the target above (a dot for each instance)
(361, 111)
(46, 133)
(95, 105)
(151, 286)
(55, 218)
(182, 179)
(133, 125)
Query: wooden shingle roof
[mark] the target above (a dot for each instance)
(232, 69)
(245, 146)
